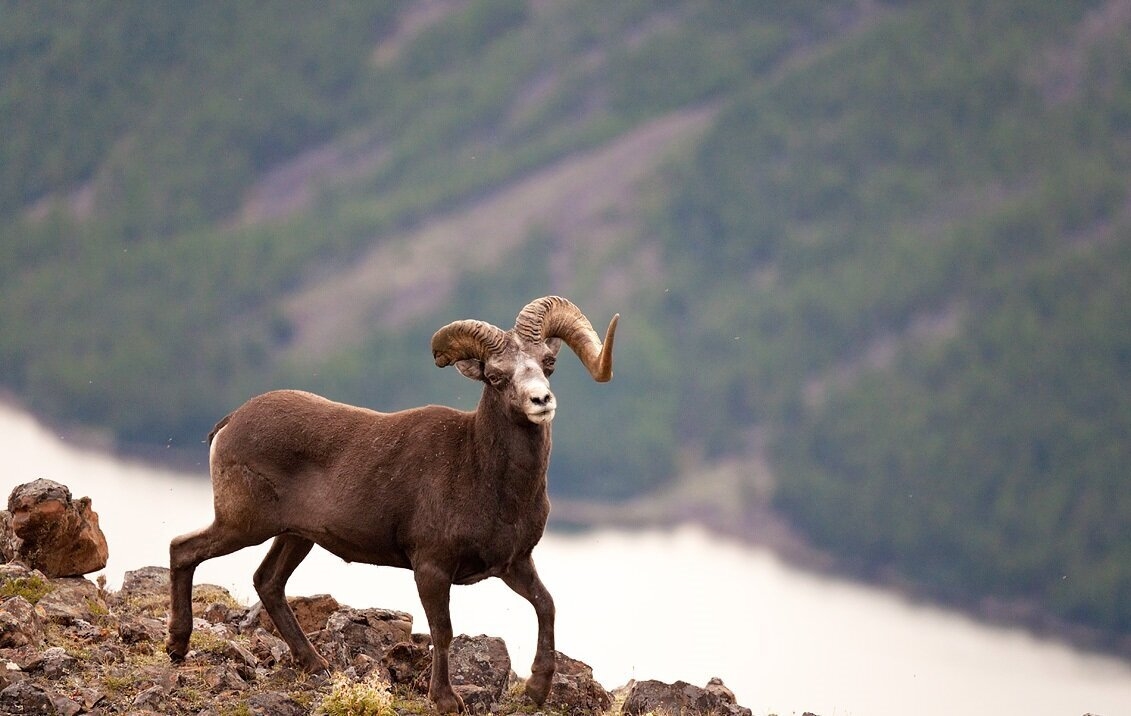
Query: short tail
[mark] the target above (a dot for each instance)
(218, 427)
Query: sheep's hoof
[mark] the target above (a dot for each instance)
(447, 703)
(538, 686)
(176, 650)
(315, 665)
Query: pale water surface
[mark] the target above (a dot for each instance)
(655, 605)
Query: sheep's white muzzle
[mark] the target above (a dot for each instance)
(540, 404)
(541, 417)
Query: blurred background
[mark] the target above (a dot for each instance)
(872, 258)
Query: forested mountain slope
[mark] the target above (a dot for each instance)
(882, 244)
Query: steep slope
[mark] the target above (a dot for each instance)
(963, 186)
(868, 254)
(588, 199)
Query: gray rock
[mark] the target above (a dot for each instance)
(480, 661)
(718, 688)
(269, 649)
(53, 663)
(88, 697)
(362, 665)
(20, 624)
(9, 542)
(10, 673)
(147, 580)
(233, 651)
(83, 630)
(574, 690)
(372, 632)
(139, 629)
(72, 599)
(24, 697)
(476, 699)
(107, 653)
(19, 570)
(312, 613)
(217, 613)
(152, 698)
(274, 703)
(65, 706)
(224, 678)
(681, 698)
(409, 663)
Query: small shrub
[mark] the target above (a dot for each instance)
(96, 608)
(407, 702)
(370, 697)
(205, 641)
(305, 699)
(115, 684)
(31, 588)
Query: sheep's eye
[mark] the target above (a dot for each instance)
(497, 380)
(548, 364)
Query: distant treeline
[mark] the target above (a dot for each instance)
(899, 253)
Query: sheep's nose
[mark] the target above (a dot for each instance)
(540, 407)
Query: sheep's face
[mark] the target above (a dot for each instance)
(520, 375)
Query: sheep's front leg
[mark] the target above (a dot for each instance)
(434, 587)
(523, 579)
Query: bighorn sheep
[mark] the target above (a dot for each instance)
(454, 496)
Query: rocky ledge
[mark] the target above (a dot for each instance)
(69, 646)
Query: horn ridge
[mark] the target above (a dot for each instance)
(531, 319)
(467, 338)
(557, 317)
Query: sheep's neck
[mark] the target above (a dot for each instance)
(514, 456)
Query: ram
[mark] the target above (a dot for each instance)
(455, 496)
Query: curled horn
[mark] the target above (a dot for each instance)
(466, 339)
(554, 316)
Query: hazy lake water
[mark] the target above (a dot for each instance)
(654, 605)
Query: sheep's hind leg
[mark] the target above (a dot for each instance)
(523, 579)
(434, 587)
(186, 552)
(286, 553)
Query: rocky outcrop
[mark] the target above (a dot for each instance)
(682, 698)
(480, 670)
(574, 690)
(69, 647)
(53, 533)
(360, 638)
(311, 613)
(20, 624)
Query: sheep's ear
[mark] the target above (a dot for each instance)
(470, 367)
(554, 344)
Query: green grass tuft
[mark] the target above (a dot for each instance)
(32, 588)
